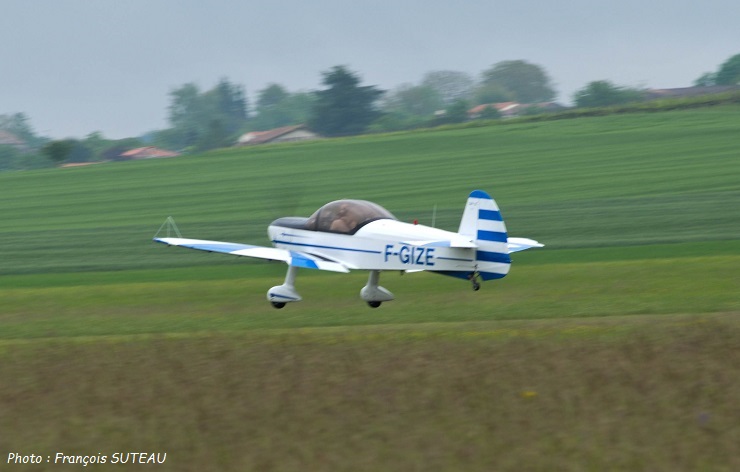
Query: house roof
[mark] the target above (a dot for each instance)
(148, 152)
(261, 137)
(690, 91)
(513, 108)
(502, 107)
(10, 139)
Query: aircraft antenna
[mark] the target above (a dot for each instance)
(434, 216)
(171, 227)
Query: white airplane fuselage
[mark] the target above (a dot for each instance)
(383, 245)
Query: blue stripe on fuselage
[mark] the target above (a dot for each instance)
(487, 256)
(277, 241)
(464, 274)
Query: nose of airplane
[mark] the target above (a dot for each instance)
(286, 224)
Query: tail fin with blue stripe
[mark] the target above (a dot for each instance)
(482, 222)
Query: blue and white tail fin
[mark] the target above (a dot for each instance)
(482, 222)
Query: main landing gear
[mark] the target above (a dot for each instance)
(286, 293)
(373, 293)
(282, 294)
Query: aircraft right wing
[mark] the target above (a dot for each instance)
(293, 258)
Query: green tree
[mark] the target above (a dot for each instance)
(214, 136)
(58, 151)
(491, 93)
(206, 119)
(602, 93)
(455, 113)
(706, 80)
(406, 107)
(10, 158)
(344, 107)
(97, 143)
(458, 112)
(271, 96)
(729, 72)
(450, 85)
(19, 125)
(277, 107)
(414, 100)
(227, 103)
(14, 159)
(527, 83)
(186, 114)
(490, 113)
(396, 121)
(80, 152)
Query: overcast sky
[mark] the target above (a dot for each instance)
(78, 66)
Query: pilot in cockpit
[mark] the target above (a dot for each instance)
(345, 221)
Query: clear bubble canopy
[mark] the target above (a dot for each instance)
(346, 216)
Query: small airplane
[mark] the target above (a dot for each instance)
(346, 235)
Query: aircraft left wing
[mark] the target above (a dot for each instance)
(293, 258)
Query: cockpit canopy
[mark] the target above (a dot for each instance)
(346, 216)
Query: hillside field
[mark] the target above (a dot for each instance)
(612, 348)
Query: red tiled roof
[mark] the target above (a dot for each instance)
(260, 137)
(503, 106)
(148, 152)
(10, 139)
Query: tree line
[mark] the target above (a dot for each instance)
(206, 119)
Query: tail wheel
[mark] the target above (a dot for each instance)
(373, 304)
(473, 277)
(278, 305)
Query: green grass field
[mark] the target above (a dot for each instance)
(613, 348)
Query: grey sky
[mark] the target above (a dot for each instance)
(78, 66)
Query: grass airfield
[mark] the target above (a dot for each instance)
(613, 348)
(653, 393)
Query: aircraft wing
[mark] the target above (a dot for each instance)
(293, 258)
(520, 244)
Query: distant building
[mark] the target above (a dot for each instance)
(684, 92)
(277, 135)
(149, 152)
(9, 139)
(505, 109)
(79, 164)
(514, 109)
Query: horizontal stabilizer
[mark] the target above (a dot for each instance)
(460, 242)
(520, 244)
